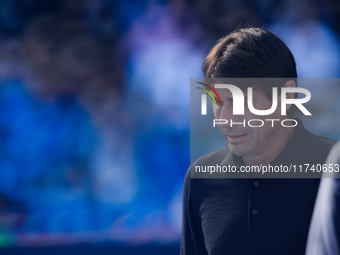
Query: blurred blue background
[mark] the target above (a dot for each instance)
(94, 122)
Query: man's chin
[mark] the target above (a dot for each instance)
(236, 150)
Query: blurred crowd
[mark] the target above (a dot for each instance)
(94, 101)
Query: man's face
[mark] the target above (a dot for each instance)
(249, 141)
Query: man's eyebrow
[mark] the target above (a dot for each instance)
(217, 100)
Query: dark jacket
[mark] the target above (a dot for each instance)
(252, 216)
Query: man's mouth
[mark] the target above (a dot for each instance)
(236, 138)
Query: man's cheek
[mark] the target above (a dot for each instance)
(217, 112)
(248, 115)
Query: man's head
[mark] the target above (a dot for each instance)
(252, 53)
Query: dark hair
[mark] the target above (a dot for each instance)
(251, 53)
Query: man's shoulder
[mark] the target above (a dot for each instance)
(307, 138)
(325, 141)
(321, 147)
(212, 158)
(324, 145)
(197, 182)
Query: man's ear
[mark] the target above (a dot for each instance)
(290, 84)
